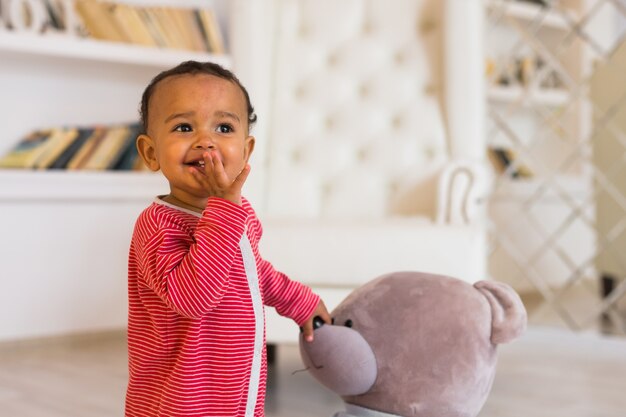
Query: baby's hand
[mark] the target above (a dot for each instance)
(307, 327)
(216, 181)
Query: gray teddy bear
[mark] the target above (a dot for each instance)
(413, 344)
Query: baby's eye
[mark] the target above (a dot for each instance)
(224, 128)
(183, 127)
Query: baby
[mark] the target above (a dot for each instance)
(196, 281)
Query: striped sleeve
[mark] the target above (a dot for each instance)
(290, 298)
(190, 272)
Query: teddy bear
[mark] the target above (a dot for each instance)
(414, 344)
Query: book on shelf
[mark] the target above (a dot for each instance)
(56, 15)
(165, 24)
(108, 148)
(116, 142)
(135, 28)
(26, 153)
(504, 160)
(65, 157)
(39, 149)
(79, 159)
(149, 19)
(211, 30)
(97, 19)
(166, 27)
(57, 143)
(160, 34)
(75, 148)
(186, 25)
(128, 159)
(542, 3)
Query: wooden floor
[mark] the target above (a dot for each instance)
(548, 373)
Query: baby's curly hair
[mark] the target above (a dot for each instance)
(193, 68)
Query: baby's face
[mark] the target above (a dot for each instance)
(190, 114)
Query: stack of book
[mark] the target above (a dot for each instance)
(72, 148)
(163, 27)
(505, 161)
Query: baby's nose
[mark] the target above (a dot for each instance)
(204, 142)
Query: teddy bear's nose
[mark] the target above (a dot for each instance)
(317, 322)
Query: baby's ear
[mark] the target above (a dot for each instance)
(147, 152)
(508, 315)
(248, 147)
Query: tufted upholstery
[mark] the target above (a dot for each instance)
(354, 129)
(360, 178)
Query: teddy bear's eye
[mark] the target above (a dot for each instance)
(348, 323)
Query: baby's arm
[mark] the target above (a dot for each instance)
(191, 273)
(290, 298)
(293, 299)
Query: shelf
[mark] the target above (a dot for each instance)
(166, 3)
(529, 12)
(66, 46)
(517, 94)
(521, 189)
(20, 185)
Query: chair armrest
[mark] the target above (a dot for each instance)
(462, 190)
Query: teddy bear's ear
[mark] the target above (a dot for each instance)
(508, 315)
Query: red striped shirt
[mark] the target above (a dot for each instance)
(191, 321)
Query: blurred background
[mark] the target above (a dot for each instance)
(483, 139)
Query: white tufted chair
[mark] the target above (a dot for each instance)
(360, 178)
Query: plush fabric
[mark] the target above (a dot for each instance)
(356, 411)
(348, 354)
(433, 338)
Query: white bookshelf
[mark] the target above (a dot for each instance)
(518, 29)
(528, 96)
(530, 12)
(63, 185)
(65, 234)
(72, 47)
(522, 189)
(543, 123)
(74, 80)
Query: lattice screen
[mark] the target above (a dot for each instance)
(556, 128)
